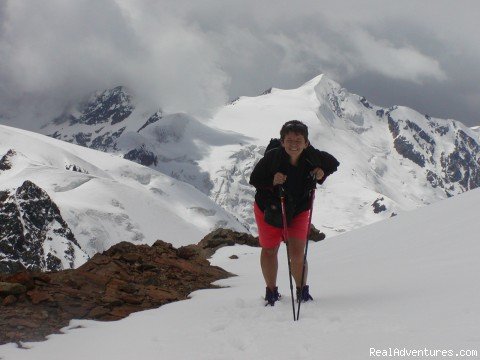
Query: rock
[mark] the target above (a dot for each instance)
(9, 300)
(131, 258)
(315, 235)
(188, 252)
(98, 312)
(31, 225)
(11, 288)
(233, 257)
(123, 279)
(224, 237)
(24, 277)
(38, 296)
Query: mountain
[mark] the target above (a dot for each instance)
(33, 232)
(392, 159)
(113, 121)
(61, 203)
(409, 283)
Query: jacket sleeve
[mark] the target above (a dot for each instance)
(323, 160)
(261, 176)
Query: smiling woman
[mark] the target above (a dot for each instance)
(292, 167)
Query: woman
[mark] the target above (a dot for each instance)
(290, 166)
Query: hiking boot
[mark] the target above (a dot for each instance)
(303, 295)
(272, 296)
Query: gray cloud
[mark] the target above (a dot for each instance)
(193, 56)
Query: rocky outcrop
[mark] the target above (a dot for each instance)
(33, 233)
(142, 156)
(110, 106)
(5, 163)
(124, 279)
(217, 239)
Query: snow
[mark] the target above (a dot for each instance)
(112, 199)
(476, 129)
(406, 282)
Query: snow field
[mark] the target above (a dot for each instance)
(410, 281)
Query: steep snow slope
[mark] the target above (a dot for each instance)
(409, 282)
(106, 199)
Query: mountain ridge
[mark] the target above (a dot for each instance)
(405, 158)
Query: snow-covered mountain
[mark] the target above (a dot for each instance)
(392, 159)
(113, 121)
(476, 129)
(409, 283)
(60, 203)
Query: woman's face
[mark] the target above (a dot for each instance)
(294, 144)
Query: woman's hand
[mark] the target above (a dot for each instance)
(319, 174)
(279, 179)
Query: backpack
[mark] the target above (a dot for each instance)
(273, 144)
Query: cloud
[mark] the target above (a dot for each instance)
(63, 50)
(194, 56)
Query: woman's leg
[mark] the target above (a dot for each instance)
(269, 264)
(297, 252)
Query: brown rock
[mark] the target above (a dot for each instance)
(43, 278)
(24, 277)
(41, 315)
(9, 300)
(37, 296)
(111, 301)
(124, 279)
(315, 235)
(128, 288)
(98, 312)
(160, 295)
(131, 299)
(7, 288)
(131, 258)
(123, 311)
(19, 323)
(188, 252)
(233, 257)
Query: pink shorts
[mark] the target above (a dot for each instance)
(271, 236)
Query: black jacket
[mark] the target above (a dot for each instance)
(298, 183)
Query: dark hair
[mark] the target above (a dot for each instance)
(295, 126)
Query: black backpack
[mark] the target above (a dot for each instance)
(273, 144)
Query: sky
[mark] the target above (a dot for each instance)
(194, 56)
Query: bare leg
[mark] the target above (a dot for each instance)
(269, 264)
(297, 251)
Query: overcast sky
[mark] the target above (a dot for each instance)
(196, 55)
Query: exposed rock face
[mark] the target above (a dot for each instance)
(378, 206)
(101, 112)
(142, 156)
(5, 160)
(33, 233)
(454, 168)
(110, 106)
(124, 279)
(152, 119)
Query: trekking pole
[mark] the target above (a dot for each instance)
(312, 199)
(285, 238)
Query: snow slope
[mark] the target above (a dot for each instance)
(407, 282)
(476, 129)
(109, 199)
